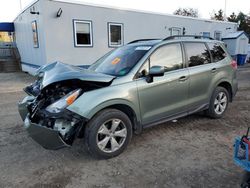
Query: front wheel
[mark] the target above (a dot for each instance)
(218, 103)
(108, 133)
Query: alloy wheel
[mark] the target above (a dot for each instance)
(111, 135)
(220, 103)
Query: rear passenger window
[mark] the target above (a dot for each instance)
(197, 54)
(217, 52)
(168, 56)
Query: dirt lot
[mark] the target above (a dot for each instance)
(193, 152)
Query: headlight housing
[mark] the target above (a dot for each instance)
(65, 101)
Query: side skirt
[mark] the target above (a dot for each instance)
(177, 116)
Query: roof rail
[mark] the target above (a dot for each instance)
(186, 36)
(141, 40)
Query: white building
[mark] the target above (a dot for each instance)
(78, 34)
(237, 43)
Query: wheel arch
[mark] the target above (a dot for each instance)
(124, 107)
(130, 113)
(228, 87)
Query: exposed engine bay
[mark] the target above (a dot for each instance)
(45, 110)
(48, 109)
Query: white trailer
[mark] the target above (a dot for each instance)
(79, 33)
(237, 43)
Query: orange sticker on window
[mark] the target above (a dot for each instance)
(115, 61)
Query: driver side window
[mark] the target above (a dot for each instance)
(168, 56)
(144, 70)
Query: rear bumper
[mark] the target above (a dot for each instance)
(46, 137)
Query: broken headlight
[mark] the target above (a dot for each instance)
(65, 101)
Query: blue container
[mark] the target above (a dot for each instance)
(241, 59)
(241, 155)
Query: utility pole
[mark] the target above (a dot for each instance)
(20, 2)
(225, 10)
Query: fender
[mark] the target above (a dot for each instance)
(218, 83)
(91, 102)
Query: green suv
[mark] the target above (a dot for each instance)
(141, 84)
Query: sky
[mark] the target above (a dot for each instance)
(9, 9)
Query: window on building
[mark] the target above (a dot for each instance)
(115, 33)
(168, 56)
(206, 34)
(217, 35)
(217, 52)
(35, 34)
(83, 33)
(197, 54)
(175, 31)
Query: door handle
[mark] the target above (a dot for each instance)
(183, 78)
(213, 70)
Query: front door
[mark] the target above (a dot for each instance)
(167, 95)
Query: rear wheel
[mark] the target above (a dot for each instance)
(108, 133)
(218, 103)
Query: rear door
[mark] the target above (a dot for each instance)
(166, 95)
(199, 65)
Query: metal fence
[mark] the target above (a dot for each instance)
(9, 58)
(8, 51)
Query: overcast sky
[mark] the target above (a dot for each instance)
(10, 8)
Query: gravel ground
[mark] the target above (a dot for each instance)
(193, 152)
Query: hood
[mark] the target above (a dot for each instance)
(58, 71)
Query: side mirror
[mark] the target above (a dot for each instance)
(155, 71)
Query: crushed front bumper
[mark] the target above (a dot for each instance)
(46, 137)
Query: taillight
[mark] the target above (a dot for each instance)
(234, 64)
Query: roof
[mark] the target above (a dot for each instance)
(145, 42)
(126, 9)
(140, 11)
(7, 26)
(234, 35)
(25, 8)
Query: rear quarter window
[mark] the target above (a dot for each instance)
(197, 53)
(217, 52)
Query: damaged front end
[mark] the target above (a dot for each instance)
(46, 118)
(44, 111)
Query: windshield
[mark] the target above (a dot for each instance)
(120, 61)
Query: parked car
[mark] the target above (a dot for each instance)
(141, 84)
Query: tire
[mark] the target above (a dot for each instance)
(108, 133)
(218, 103)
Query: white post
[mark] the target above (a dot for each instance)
(20, 2)
(225, 11)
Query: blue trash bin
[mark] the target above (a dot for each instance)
(241, 59)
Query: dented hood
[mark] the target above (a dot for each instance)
(58, 71)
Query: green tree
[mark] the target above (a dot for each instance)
(187, 12)
(218, 15)
(232, 18)
(244, 21)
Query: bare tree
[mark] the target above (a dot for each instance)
(187, 12)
